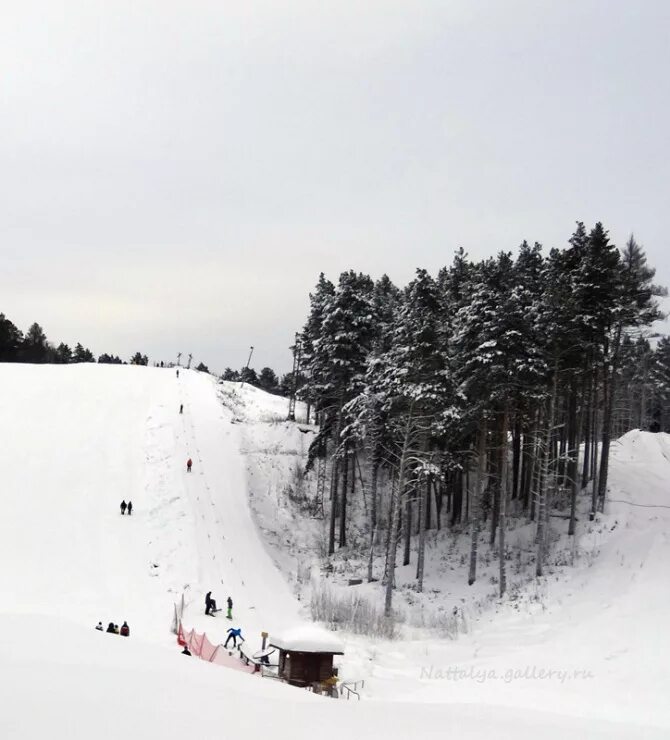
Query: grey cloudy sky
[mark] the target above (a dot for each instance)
(174, 175)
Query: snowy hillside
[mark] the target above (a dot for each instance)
(76, 440)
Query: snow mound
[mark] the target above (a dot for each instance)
(308, 638)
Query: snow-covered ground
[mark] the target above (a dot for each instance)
(75, 440)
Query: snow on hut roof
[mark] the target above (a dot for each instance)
(308, 639)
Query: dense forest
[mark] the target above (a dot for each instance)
(493, 389)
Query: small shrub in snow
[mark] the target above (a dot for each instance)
(351, 612)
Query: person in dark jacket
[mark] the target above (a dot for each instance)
(110, 627)
(125, 630)
(233, 634)
(99, 627)
(185, 651)
(181, 408)
(130, 508)
(210, 603)
(189, 462)
(123, 507)
(229, 614)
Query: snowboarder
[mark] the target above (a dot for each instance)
(110, 628)
(123, 507)
(210, 603)
(233, 634)
(185, 651)
(99, 627)
(229, 613)
(181, 408)
(189, 462)
(130, 508)
(125, 630)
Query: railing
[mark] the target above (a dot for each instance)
(352, 688)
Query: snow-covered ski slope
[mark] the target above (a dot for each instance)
(76, 440)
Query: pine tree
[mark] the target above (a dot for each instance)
(10, 340)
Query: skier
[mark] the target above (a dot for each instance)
(210, 603)
(110, 628)
(233, 634)
(130, 508)
(181, 408)
(125, 630)
(123, 508)
(229, 613)
(185, 651)
(99, 627)
(189, 462)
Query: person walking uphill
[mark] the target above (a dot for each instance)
(189, 463)
(123, 507)
(233, 634)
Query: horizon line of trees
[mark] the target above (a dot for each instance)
(467, 396)
(34, 347)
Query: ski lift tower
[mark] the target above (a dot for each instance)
(297, 357)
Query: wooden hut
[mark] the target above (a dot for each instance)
(306, 655)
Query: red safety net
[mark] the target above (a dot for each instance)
(201, 647)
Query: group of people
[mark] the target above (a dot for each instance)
(210, 605)
(126, 507)
(211, 608)
(114, 629)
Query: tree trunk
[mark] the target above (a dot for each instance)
(516, 457)
(495, 465)
(334, 485)
(390, 580)
(609, 383)
(407, 530)
(476, 499)
(574, 461)
(343, 504)
(424, 495)
(373, 516)
(503, 504)
(334, 482)
(544, 485)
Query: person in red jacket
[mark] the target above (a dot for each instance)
(125, 630)
(189, 462)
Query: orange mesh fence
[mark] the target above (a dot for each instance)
(201, 647)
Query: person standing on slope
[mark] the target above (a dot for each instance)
(229, 613)
(181, 408)
(123, 507)
(189, 463)
(233, 634)
(130, 508)
(177, 373)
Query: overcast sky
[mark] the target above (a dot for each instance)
(175, 175)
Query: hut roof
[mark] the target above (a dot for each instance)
(308, 639)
